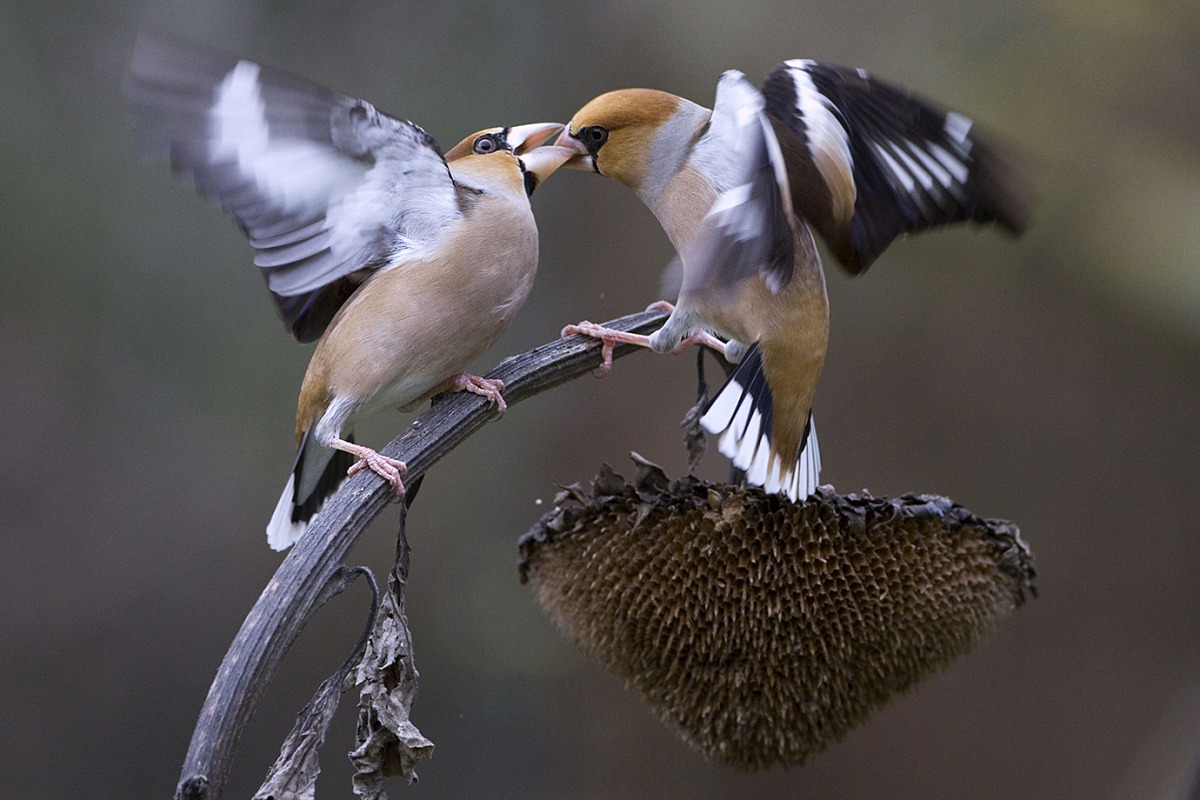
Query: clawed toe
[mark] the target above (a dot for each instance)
(390, 469)
(609, 339)
(491, 388)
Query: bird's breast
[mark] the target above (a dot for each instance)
(419, 321)
(682, 205)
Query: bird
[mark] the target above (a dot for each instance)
(740, 190)
(404, 264)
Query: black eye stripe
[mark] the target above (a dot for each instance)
(592, 137)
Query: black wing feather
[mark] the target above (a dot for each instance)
(914, 166)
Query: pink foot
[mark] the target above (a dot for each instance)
(661, 305)
(491, 388)
(608, 337)
(390, 469)
(703, 338)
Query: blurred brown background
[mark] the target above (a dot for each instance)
(147, 392)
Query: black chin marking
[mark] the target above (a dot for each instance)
(531, 180)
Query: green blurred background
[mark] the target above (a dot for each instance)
(147, 393)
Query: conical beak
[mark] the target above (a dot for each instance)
(541, 162)
(539, 158)
(523, 138)
(580, 157)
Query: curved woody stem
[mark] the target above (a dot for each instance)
(312, 572)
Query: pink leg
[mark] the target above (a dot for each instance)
(490, 388)
(391, 470)
(697, 337)
(609, 337)
(700, 337)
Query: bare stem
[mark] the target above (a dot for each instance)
(311, 572)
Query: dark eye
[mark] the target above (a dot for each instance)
(486, 144)
(594, 135)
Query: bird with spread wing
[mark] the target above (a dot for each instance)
(403, 262)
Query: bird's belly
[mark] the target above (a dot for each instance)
(408, 387)
(421, 332)
(750, 311)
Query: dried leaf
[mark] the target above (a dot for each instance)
(293, 776)
(388, 743)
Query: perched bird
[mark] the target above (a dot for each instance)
(739, 189)
(407, 264)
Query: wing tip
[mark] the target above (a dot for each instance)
(917, 167)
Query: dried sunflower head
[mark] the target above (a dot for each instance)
(762, 630)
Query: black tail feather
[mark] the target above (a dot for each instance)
(331, 478)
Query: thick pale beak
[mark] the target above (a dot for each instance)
(540, 163)
(580, 157)
(523, 138)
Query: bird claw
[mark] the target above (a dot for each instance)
(701, 338)
(390, 469)
(491, 388)
(607, 343)
(661, 305)
(609, 338)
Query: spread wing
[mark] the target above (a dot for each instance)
(747, 230)
(327, 188)
(868, 162)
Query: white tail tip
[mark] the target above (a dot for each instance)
(282, 533)
(737, 415)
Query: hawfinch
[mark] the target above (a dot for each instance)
(739, 191)
(405, 263)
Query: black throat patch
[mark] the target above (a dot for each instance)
(531, 180)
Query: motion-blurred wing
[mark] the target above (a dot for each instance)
(326, 187)
(868, 162)
(748, 229)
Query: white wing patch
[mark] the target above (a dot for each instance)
(807, 475)
(898, 174)
(827, 132)
(323, 185)
(892, 163)
(297, 174)
(827, 138)
(957, 127)
(956, 167)
(740, 226)
(747, 231)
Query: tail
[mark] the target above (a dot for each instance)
(742, 414)
(316, 474)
